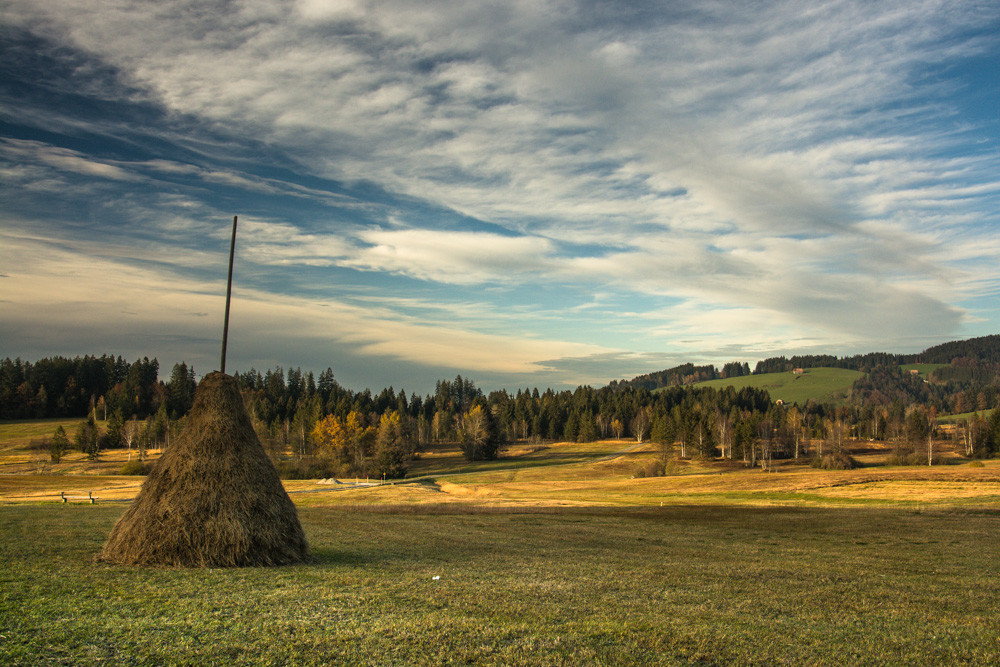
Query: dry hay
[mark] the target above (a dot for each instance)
(213, 499)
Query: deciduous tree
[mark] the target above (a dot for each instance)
(479, 437)
(347, 441)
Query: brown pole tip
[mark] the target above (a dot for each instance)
(229, 295)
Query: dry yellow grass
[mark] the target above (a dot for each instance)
(566, 474)
(46, 488)
(941, 486)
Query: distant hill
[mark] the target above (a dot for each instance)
(975, 351)
(985, 349)
(672, 377)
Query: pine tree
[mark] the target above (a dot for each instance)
(58, 445)
(115, 430)
(393, 446)
(87, 439)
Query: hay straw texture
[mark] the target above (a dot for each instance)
(213, 499)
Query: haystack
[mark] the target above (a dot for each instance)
(213, 499)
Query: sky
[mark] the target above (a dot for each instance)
(529, 194)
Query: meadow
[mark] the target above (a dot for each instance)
(823, 385)
(552, 555)
(480, 585)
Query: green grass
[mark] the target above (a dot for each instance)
(922, 369)
(20, 432)
(950, 419)
(678, 585)
(825, 385)
(448, 459)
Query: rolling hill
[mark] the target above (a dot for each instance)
(824, 385)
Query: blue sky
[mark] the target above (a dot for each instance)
(527, 193)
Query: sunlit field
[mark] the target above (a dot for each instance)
(553, 554)
(824, 385)
(478, 585)
(595, 474)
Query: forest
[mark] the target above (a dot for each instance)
(313, 426)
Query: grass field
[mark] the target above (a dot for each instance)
(677, 585)
(551, 555)
(18, 433)
(966, 416)
(922, 369)
(576, 475)
(825, 385)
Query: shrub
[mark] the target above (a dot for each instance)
(307, 469)
(896, 459)
(920, 459)
(135, 467)
(835, 461)
(58, 445)
(976, 464)
(650, 469)
(912, 459)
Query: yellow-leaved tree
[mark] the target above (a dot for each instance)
(346, 441)
(480, 438)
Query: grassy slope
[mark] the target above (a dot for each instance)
(922, 369)
(950, 419)
(821, 384)
(707, 585)
(18, 433)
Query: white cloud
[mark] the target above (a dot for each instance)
(269, 242)
(50, 291)
(466, 258)
(19, 150)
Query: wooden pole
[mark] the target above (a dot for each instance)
(229, 294)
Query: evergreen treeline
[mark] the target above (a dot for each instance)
(62, 387)
(314, 426)
(965, 385)
(985, 349)
(982, 350)
(366, 433)
(858, 362)
(684, 374)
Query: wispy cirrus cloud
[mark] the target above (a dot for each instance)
(453, 257)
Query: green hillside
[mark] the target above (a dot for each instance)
(825, 385)
(923, 369)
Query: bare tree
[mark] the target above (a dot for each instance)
(723, 425)
(795, 424)
(931, 423)
(640, 424)
(128, 434)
